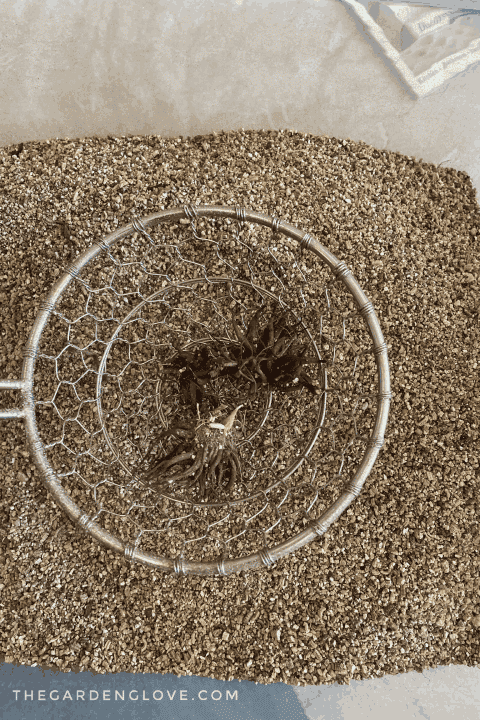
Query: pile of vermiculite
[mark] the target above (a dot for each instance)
(394, 584)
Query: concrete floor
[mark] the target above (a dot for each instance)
(73, 68)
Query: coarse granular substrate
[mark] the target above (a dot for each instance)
(394, 584)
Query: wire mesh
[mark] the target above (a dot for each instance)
(100, 400)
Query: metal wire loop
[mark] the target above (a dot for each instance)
(206, 394)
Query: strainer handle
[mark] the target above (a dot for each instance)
(12, 412)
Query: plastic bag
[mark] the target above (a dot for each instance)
(427, 45)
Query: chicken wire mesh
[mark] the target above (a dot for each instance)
(206, 390)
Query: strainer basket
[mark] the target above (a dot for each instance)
(102, 405)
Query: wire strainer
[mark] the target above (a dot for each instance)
(149, 339)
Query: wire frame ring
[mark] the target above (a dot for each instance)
(266, 556)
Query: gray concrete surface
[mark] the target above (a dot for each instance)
(443, 693)
(80, 67)
(74, 68)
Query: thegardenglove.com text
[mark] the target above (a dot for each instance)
(119, 695)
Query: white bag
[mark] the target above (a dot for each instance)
(427, 45)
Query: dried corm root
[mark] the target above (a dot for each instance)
(260, 359)
(207, 460)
